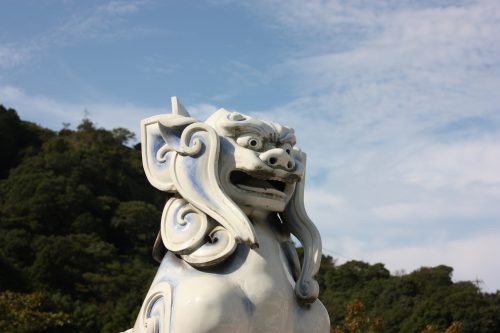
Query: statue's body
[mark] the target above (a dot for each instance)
(227, 261)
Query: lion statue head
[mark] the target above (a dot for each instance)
(217, 172)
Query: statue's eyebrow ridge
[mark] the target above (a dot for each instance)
(264, 131)
(282, 134)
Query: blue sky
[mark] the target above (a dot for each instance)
(397, 103)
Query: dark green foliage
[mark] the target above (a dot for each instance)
(28, 313)
(408, 303)
(17, 139)
(77, 225)
(122, 135)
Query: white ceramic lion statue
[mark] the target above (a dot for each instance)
(228, 263)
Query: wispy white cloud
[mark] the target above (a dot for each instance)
(11, 56)
(121, 7)
(158, 65)
(472, 258)
(437, 208)
(53, 113)
(380, 90)
(457, 165)
(322, 202)
(102, 22)
(402, 48)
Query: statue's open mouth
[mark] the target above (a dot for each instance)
(249, 183)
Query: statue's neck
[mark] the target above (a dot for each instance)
(264, 222)
(257, 215)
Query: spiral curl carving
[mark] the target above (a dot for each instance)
(183, 226)
(220, 245)
(188, 146)
(161, 154)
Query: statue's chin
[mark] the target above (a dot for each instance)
(262, 204)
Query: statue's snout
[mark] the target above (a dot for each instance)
(278, 158)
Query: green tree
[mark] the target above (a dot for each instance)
(28, 313)
(123, 135)
(357, 321)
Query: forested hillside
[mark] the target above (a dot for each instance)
(77, 224)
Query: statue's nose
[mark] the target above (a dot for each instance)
(278, 158)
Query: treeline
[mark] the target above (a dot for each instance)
(78, 220)
(424, 301)
(76, 228)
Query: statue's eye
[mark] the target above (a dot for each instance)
(250, 141)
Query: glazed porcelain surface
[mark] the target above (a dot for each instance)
(228, 263)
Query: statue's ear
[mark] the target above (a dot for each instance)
(296, 220)
(160, 135)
